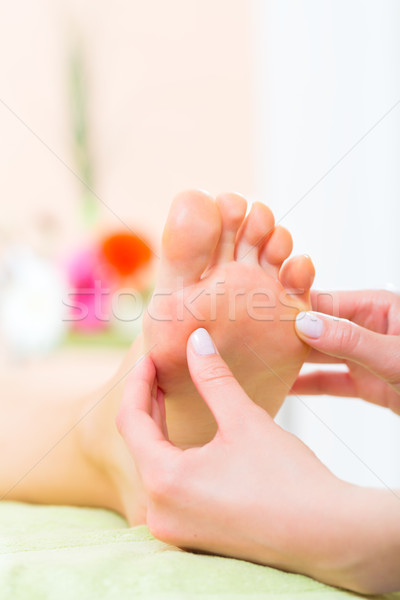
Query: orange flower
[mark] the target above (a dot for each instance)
(125, 252)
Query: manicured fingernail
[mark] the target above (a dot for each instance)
(309, 324)
(202, 342)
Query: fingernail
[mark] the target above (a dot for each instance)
(309, 324)
(202, 342)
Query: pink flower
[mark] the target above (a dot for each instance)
(90, 299)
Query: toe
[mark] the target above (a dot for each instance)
(276, 249)
(257, 227)
(189, 240)
(297, 276)
(233, 210)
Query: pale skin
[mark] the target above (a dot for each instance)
(92, 465)
(211, 253)
(255, 491)
(371, 350)
(228, 273)
(341, 534)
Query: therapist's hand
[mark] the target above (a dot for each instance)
(366, 338)
(254, 492)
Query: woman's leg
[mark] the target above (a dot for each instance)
(60, 451)
(52, 445)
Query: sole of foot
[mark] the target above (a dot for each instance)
(231, 274)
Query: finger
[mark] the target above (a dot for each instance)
(344, 304)
(352, 305)
(376, 352)
(155, 411)
(161, 404)
(156, 414)
(325, 382)
(217, 386)
(144, 438)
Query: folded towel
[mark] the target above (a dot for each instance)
(60, 552)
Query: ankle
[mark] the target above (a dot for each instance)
(94, 443)
(102, 448)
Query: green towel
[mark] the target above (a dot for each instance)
(60, 552)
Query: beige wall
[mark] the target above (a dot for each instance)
(170, 106)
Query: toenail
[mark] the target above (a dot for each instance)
(309, 324)
(202, 342)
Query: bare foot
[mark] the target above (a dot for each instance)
(222, 271)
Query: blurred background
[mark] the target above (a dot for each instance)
(108, 110)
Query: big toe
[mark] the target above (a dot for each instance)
(189, 239)
(297, 276)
